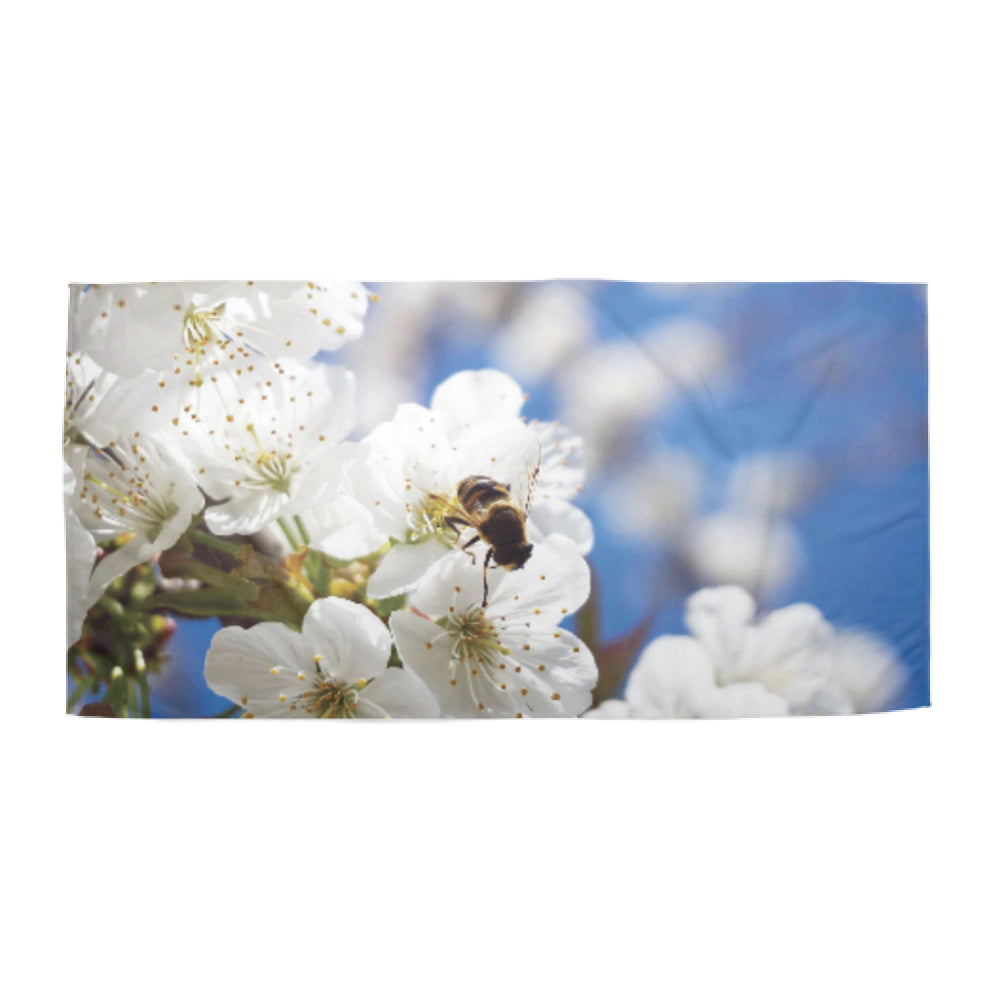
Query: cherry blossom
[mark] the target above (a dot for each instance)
(512, 658)
(334, 669)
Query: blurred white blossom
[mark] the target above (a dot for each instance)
(511, 659)
(753, 551)
(334, 668)
(605, 392)
(771, 483)
(689, 353)
(655, 497)
(551, 324)
(791, 661)
(674, 679)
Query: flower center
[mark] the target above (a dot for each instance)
(202, 327)
(203, 333)
(476, 637)
(123, 494)
(428, 518)
(271, 469)
(330, 699)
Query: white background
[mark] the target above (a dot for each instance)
(803, 858)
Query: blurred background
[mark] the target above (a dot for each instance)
(768, 435)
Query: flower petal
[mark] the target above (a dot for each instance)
(474, 397)
(350, 640)
(554, 582)
(245, 513)
(557, 517)
(263, 668)
(403, 567)
(719, 617)
(398, 694)
(553, 673)
(868, 669)
(425, 648)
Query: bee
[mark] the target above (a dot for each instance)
(496, 512)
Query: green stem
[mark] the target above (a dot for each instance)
(301, 525)
(117, 693)
(211, 542)
(283, 524)
(140, 671)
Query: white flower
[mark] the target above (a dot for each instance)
(689, 353)
(674, 680)
(656, 497)
(81, 553)
(511, 659)
(405, 469)
(551, 324)
(135, 494)
(259, 445)
(85, 419)
(335, 668)
(771, 483)
(791, 661)
(750, 550)
(192, 327)
(607, 391)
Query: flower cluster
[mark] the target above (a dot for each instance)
(418, 566)
(205, 437)
(790, 662)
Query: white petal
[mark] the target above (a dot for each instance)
(745, 701)
(781, 637)
(426, 649)
(612, 708)
(558, 517)
(718, 617)
(454, 584)
(81, 551)
(868, 669)
(553, 673)
(398, 694)
(562, 470)
(554, 582)
(336, 420)
(673, 679)
(263, 668)
(350, 640)
(247, 512)
(505, 450)
(474, 397)
(344, 529)
(403, 567)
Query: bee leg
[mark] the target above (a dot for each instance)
(486, 563)
(458, 525)
(465, 547)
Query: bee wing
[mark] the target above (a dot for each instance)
(522, 463)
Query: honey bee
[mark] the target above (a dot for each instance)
(496, 512)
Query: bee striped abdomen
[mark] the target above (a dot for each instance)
(476, 493)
